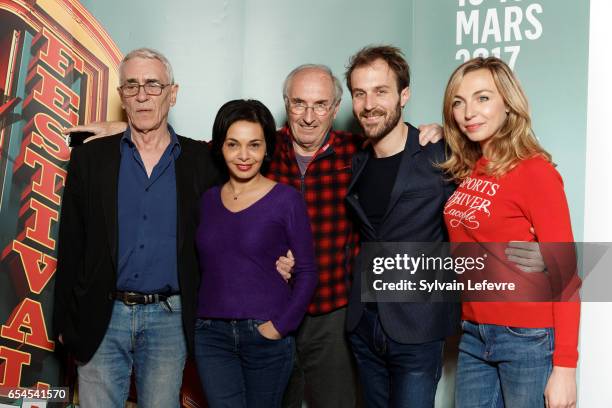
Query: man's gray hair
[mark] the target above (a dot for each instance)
(324, 68)
(147, 53)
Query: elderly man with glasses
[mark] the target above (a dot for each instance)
(127, 268)
(316, 160)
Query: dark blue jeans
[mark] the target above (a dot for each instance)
(503, 366)
(239, 367)
(394, 374)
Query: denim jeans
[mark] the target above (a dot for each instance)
(503, 366)
(238, 366)
(148, 338)
(394, 374)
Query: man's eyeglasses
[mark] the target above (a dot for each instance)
(150, 88)
(298, 108)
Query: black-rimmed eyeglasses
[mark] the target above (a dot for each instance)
(150, 88)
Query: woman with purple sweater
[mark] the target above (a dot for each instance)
(246, 310)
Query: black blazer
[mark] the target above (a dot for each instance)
(88, 234)
(414, 215)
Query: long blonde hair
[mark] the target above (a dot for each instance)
(514, 142)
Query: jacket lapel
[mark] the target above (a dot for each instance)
(359, 163)
(109, 179)
(183, 180)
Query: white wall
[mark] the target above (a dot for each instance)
(596, 327)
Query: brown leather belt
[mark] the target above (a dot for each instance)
(133, 298)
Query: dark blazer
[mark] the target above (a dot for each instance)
(414, 215)
(88, 234)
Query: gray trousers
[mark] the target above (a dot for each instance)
(324, 373)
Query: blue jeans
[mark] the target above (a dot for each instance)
(148, 337)
(239, 367)
(503, 366)
(394, 374)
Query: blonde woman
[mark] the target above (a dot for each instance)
(513, 354)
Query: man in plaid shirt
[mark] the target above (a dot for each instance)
(316, 160)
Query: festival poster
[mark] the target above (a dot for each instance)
(56, 67)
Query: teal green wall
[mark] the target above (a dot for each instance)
(284, 34)
(229, 49)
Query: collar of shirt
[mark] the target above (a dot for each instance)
(325, 148)
(127, 143)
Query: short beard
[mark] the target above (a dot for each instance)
(388, 125)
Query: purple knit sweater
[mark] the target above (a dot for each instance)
(238, 253)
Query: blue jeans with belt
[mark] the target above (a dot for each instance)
(146, 338)
(502, 366)
(239, 367)
(395, 374)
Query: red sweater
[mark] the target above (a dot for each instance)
(489, 209)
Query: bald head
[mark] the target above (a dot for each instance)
(315, 90)
(313, 68)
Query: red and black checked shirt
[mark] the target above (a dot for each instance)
(324, 187)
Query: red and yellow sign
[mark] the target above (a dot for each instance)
(58, 67)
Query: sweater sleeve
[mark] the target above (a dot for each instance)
(305, 278)
(548, 212)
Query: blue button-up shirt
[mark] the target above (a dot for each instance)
(147, 220)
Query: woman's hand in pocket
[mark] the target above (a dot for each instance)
(268, 330)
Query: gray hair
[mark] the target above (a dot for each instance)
(324, 68)
(147, 53)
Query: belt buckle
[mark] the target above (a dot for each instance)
(127, 302)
